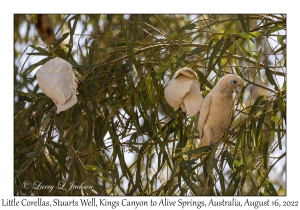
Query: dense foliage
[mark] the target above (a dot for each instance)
(122, 138)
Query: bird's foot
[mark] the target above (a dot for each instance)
(229, 131)
(211, 144)
(181, 113)
(54, 112)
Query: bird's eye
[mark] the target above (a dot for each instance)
(233, 82)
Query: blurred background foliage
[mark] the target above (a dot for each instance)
(122, 138)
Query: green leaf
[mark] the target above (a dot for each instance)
(273, 29)
(124, 30)
(62, 24)
(249, 35)
(265, 155)
(259, 126)
(61, 162)
(72, 31)
(239, 138)
(162, 69)
(259, 56)
(39, 49)
(272, 189)
(241, 49)
(211, 157)
(253, 184)
(95, 169)
(283, 47)
(229, 26)
(226, 45)
(281, 38)
(20, 171)
(242, 21)
(33, 66)
(172, 36)
(214, 53)
(26, 98)
(95, 48)
(187, 27)
(195, 151)
(256, 104)
(196, 51)
(25, 149)
(228, 158)
(41, 53)
(84, 66)
(60, 40)
(109, 18)
(269, 76)
(135, 29)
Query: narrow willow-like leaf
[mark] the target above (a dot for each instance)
(259, 126)
(279, 137)
(187, 27)
(229, 26)
(236, 185)
(77, 169)
(256, 104)
(195, 151)
(235, 175)
(50, 168)
(211, 158)
(60, 40)
(254, 187)
(238, 141)
(283, 47)
(39, 49)
(95, 169)
(270, 76)
(33, 66)
(249, 35)
(91, 51)
(281, 38)
(40, 53)
(214, 53)
(272, 189)
(229, 158)
(265, 155)
(241, 48)
(72, 30)
(242, 21)
(57, 157)
(259, 56)
(162, 69)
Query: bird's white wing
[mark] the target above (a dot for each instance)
(45, 80)
(67, 105)
(57, 80)
(187, 72)
(204, 112)
(176, 89)
(63, 77)
(193, 99)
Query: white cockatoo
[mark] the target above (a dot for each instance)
(183, 91)
(217, 110)
(57, 80)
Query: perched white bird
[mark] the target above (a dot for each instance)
(183, 91)
(57, 80)
(217, 110)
